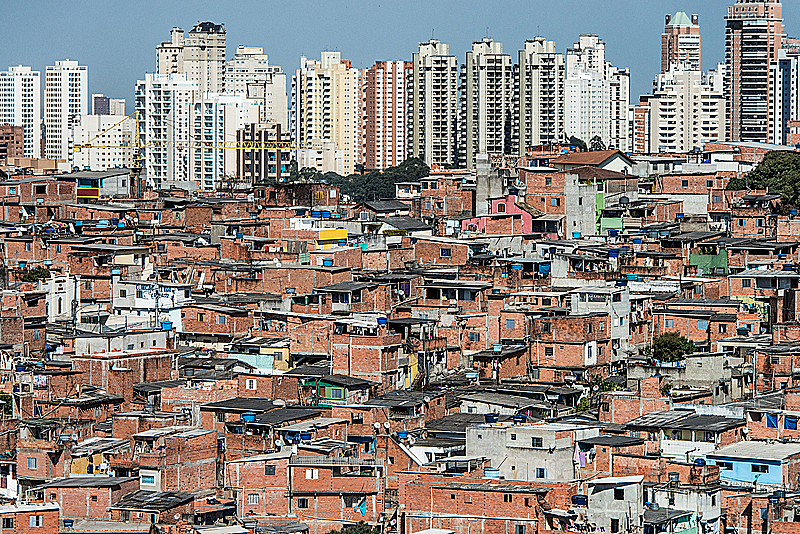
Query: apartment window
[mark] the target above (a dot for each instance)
(520, 529)
(775, 360)
(713, 500)
(35, 520)
(252, 498)
(760, 223)
(93, 498)
(702, 324)
(302, 503)
(148, 479)
(474, 337)
(27, 247)
(541, 472)
(790, 423)
(537, 443)
(614, 526)
(759, 468)
(510, 324)
(740, 222)
(269, 470)
(772, 420)
(8, 522)
(444, 252)
(201, 317)
(619, 494)
(746, 282)
(668, 323)
(250, 384)
(513, 437)
(684, 183)
(220, 319)
(220, 417)
(31, 463)
(555, 202)
(725, 466)
(723, 328)
(548, 351)
(709, 183)
(507, 497)
(312, 474)
(41, 189)
(123, 293)
(716, 199)
(548, 181)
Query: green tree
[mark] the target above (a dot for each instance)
(574, 141)
(596, 144)
(778, 172)
(358, 528)
(294, 172)
(583, 405)
(36, 274)
(671, 347)
(6, 401)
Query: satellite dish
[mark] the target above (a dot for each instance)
(624, 200)
(177, 516)
(386, 425)
(377, 426)
(596, 388)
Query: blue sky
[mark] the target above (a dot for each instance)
(117, 39)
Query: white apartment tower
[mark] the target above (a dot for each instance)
(587, 93)
(433, 105)
(21, 105)
(200, 55)
(488, 113)
(619, 98)
(93, 128)
(165, 105)
(540, 94)
(687, 110)
(249, 73)
(66, 97)
(327, 106)
(385, 112)
(784, 79)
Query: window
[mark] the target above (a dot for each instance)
(548, 351)
(123, 293)
(746, 282)
(760, 223)
(513, 437)
(8, 522)
(740, 222)
(220, 417)
(509, 324)
(474, 337)
(716, 199)
(684, 183)
(614, 526)
(713, 500)
(269, 470)
(759, 468)
(93, 498)
(27, 247)
(555, 202)
(444, 253)
(619, 494)
(709, 183)
(507, 497)
(668, 323)
(548, 181)
(31, 463)
(723, 328)
(725, 466)
(790, 423)
(775, 360)
(220, 319)
(252, 498)
(541, 472)
(520, 529)
(148, 479)
(501, 208)
(41, 189)
(537, 443)
(312, 474)
(251, 383)
(34, 521)
(702, 324)
(772, 420)
(589, 328)
(201, 317)
(302, 503)
(357, 418)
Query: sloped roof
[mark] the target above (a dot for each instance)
(680, 19)
(592, 159)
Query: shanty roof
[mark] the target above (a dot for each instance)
(756, 450)
(155, 501)
(86, 482)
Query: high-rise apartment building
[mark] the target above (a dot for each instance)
(753, 38)
(165, 104)
(215, 120)
(327, 106)
(102, 105)
(200, 55)
(784, 79)
(433, 105)
(680, 42)
(385, 112)
(21, 105)
(619, 97)
(540, 94)
(587, 95)
(685, 111)
(488, 115)
(66, 97)
(93, 128)
(249, 73)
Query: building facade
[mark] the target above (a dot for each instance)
(89, 128)
(541, 97)
(385, 113)
(680, 42)
(249, 73)
(66, 97)
(753, 35)
(21, 104)
(433, 105)
(200, 55)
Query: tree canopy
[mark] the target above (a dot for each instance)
(358, 528)
(372, 185)
(671, 347)
(779, 172)
(596, 144)
(574, 141)
(36, 274)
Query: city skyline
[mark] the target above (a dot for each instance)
(127, 52)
